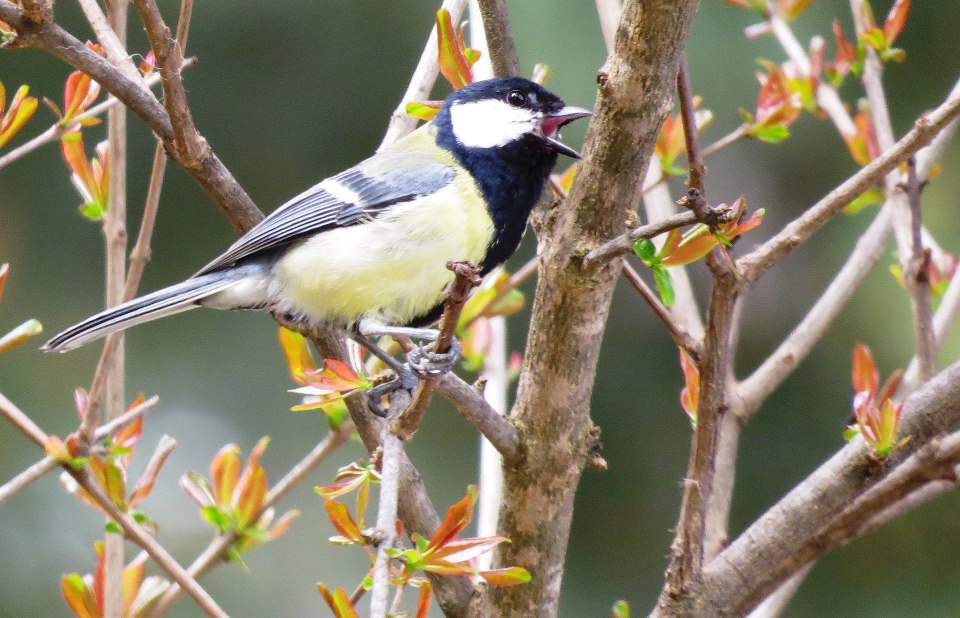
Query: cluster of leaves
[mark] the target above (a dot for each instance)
(108, 465)
(15, 115)
(877, 417)
(85, 593)
(233, 501)
(323, 388)
(90, 177)
(21, 333)
(784, 93)
(455, 61)
(682, 248)
(442, 554)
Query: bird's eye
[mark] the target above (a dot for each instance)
(516, 98)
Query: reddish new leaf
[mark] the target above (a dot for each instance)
(510, 576)
(340, 518)
(865, 377)
(224, 471)
(452, 61)
(457, 518)
(896, 19)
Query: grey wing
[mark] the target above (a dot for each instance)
(348, 198)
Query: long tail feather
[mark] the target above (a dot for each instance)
(167, 301)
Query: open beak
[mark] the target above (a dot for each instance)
(551, 124)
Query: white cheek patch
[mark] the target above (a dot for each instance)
(489, 123)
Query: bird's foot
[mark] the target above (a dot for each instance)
(426, 363)
(405, 380)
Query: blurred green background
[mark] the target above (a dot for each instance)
(288, 93)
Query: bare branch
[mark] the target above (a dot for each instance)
(697, 169)
(494, 427)
(765, 555)
(623, 244)
(781, 363)
(681, 337)
(496, 25)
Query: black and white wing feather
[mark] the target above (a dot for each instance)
(348, 198)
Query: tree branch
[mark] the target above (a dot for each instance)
(570, 306)
(766, 554)
(209, 172)
(48, 463)
(753, 265)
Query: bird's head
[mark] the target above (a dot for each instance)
(498, 112)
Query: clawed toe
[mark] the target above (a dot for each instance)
(426, 363)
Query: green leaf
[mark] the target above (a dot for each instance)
(20, 334)
(664, 285)
(771, 134)
(113, 527)
(645, 250)
(217, 517)
(621, 609)
(871, 197)
(93, 211)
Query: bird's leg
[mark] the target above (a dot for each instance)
(406, 379)
(422, 361)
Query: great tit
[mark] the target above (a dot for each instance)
(368, 248)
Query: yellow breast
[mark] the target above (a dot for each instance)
(391, 268)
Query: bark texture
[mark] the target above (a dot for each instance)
(570, 307)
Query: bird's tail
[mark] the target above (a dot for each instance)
(167, 301)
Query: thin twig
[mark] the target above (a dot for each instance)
(48, 463)
(386, 519)
(725, 141)
(169, 56)
(500, 44)
(917, 280)
(623, 244)
(406, 423)
(697, 169)
(681, 337)
(421, 82)
(753, 265)
(112, 40)
(140, 254)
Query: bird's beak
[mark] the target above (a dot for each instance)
(551, 124)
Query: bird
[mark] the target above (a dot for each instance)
(365, 251)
